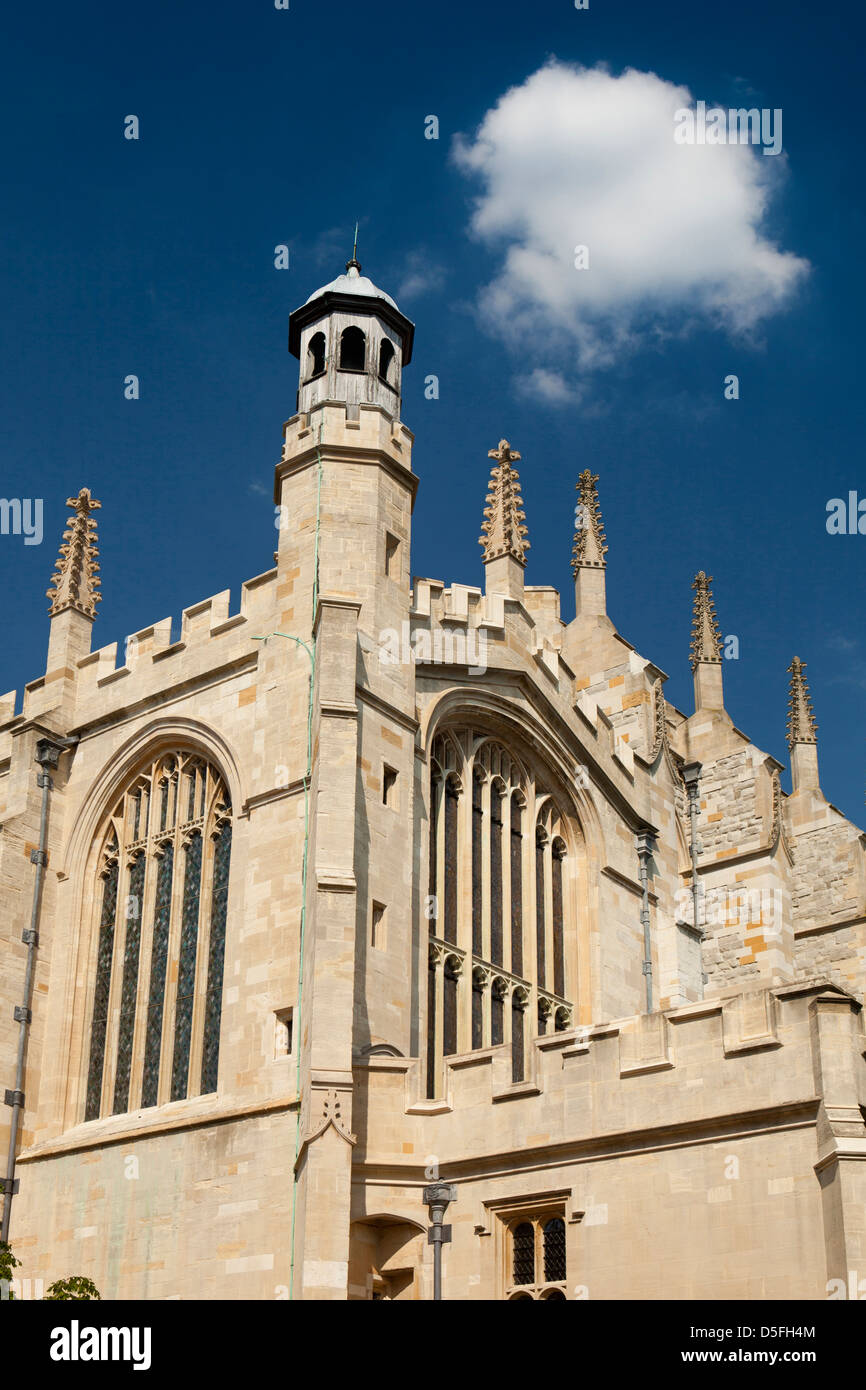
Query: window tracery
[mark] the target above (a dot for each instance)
(498, 865)
(157, 995)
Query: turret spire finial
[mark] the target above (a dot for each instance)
(503, 531)
(802, 727)
(75, 581)
(590, 542)
(706, 637)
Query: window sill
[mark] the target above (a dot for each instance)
(516, 1091)
(161, 1119)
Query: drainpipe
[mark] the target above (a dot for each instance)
(48, 752)
(692, 776)
(644, 844)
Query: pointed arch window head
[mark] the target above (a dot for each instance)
(316, 355)
(353, 349)
(161, 931)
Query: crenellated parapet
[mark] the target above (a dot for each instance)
(148, 662)
(688, 1068)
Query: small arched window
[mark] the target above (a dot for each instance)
(161, 939)
(353, 350)
(386, 361)
(537, 1267)
(316, 355)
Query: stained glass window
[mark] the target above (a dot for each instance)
(496, 875)
(433, 889)
(558, 943)
(489, 862)
(517, 1049)
(431, 1029)
(497, 1014)
(478, 1012)
(129, 987)
(449, 926)
(158, 960)
(449, 1033)
(516, 889)
(186, 967)
(477, 852)
(155, 869)
(216, 956)
(540, 960)
(105, 953)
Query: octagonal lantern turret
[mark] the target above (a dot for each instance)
(352, 343)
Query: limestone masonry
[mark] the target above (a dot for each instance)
(374, 882)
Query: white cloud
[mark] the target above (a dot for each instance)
(421, 276)
(576, 156)
(550, 386)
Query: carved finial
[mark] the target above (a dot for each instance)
(75, 580)
(589, 539)
(801, 719)
(706, 637)
(504, 532)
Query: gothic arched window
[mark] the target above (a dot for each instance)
(353, 349)
(316, 355)
(499, 906)
(386, 360)
(157, 997)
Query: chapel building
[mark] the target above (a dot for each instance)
(367, 883)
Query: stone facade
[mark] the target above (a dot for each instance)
(469, 934)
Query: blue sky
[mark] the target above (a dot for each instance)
(261, 127)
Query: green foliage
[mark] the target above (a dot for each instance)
(75, 1287)
(8, 1265)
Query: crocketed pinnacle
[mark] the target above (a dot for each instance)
(75, 581)
(801, 719)
(589, 539)
(504, 532)
(706, 637)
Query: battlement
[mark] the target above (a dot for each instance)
(201, 623)
(336, 425)
(149, 657)
(715, 1063)
(459, 624)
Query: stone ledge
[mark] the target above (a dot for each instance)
(127, 1129)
